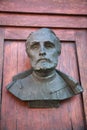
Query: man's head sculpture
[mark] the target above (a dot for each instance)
(43, 85)
(43, 47)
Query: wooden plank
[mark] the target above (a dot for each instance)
(22, 33)
(8, 110)
(70, 67)
(30, 20)
(77, 7)
(16, 114)
(1, 65)
(23, 59)
(1, 57)
(81, 43)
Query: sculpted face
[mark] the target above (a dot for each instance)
(43, 50)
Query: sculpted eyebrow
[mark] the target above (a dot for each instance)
(34, 43)
(49, 42)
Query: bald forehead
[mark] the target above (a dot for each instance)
(42, 35)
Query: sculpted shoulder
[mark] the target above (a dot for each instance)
(25, 89)
(15, 88)
(20, 88)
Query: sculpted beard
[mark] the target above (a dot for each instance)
(44, 64)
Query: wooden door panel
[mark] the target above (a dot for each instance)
(17, 115)
(68, 19)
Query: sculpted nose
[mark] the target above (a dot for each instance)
(42, 51)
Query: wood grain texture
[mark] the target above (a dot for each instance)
(70, 59)
(1, 57)
(77, 7)
(32, 20)
(8, 109)
(68, 19)
(23, 59)
(1, 65)
(17, 115)
(81, 43)
(22, 33)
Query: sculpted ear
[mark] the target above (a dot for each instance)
(59, 47)
(27, 44)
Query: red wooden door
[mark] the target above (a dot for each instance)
(15, 27)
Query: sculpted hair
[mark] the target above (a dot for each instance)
(27, 44)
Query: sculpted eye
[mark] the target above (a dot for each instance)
(35, 46)
(49, 45)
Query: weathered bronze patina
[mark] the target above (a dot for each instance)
(43, 85)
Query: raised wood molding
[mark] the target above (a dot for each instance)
(1, 57)
(77, 7)
(12, 33)
(37, 20)
(1, 65)
(81, 45)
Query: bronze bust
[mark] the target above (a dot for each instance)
(43, 84)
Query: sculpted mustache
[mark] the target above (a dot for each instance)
(48, 60)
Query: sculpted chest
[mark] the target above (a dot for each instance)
(54, 88)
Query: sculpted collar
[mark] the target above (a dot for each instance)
(44, 79)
